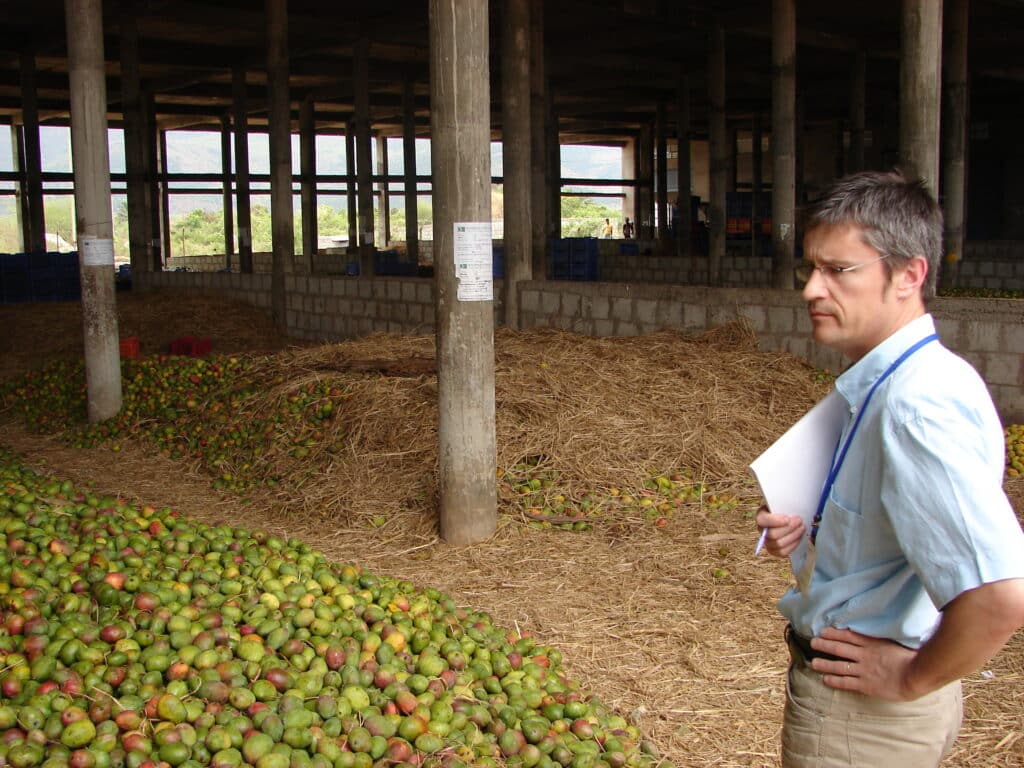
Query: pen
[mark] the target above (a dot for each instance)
(760, 542)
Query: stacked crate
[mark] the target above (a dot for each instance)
(48, 276)
(574, 258)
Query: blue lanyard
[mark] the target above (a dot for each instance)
(837, 464)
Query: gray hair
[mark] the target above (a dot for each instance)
(897, 216)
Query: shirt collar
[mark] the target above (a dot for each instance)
(855, 382)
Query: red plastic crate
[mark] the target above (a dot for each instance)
(192, 346)
(129, 347)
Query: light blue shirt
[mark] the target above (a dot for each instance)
(917, 514)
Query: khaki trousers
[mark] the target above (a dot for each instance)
(827, 728)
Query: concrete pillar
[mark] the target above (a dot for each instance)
(136, 151)
(350, 186)
(539, 171)
(954, 171)
(630, 207)
(755, 185)
(307, 168)
(684, 170)
(91, 166)
(364, 169)
(783, 142)
(383, 235)
(163, 209)
(554, 163)
(920, 95)
(282, 219)
(858, 109)
(243, 212)
(661, 161)
(517, 153)
(718, 150)
(412, 237)
(228, 197)
(645, 182)
(33, 223)
(18, 155)
(461, 165)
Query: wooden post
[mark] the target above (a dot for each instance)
(307, 162)
(954, 172)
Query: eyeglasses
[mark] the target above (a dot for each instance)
(830, 272)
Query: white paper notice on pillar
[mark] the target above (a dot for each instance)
(244, 240)
(96, 251)
(473, 256)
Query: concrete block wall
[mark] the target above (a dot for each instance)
(987, 332)
(994, 265)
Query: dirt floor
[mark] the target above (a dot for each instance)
(673, 626)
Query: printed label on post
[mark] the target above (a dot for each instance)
(473, 256)
(96, 251)
(244, 240)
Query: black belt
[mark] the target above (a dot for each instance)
(803, 646)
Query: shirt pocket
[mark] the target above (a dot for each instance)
(840, 537)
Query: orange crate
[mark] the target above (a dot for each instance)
(129, 347)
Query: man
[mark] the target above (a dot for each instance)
(627, 229)
(915, 559)
(607, 230)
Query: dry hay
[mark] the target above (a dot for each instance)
(589, 413)
(644, 622)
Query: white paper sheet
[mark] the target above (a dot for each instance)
(793, 470)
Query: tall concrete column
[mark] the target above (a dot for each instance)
(630, 173)
(33, 224)
(350, 189)
(954, 171)
(783, 142)
(718, 150)
(412, 238)
(661, 161)
(920, 95)
(136, 150)
(858, 109)
(364, 169)
(151, 137)
(461, 165)
(243, 213)
(18, 155)
(282, 218)
(516, 153)
(226, 193)
(645, 182)
(553, 147)
(383, 235)
(163, 212)
(91, 166)
(755, 185)
(539, 171)
(684, 168)
(307, 167)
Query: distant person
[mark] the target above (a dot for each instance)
(627, 229)
(607, 230)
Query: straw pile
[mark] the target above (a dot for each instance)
(674, 626)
